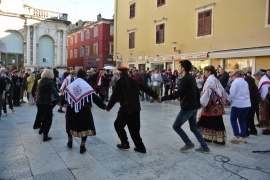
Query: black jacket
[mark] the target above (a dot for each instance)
(126, 92)
(253, 91)
(223, 79)
(2, 85)
(9, 86)
(187, 92)
(45, 91)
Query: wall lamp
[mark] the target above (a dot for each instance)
(174, 48)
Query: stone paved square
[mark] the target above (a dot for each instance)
(23, 154)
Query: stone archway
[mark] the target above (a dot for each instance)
(46, 51)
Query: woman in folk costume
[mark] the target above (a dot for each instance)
(79, 120)
(212, 101)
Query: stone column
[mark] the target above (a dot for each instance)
(64, 60)
(59, 47)
(28, 46)
(35, 46)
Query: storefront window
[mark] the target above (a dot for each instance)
(242, 64)
(160, 66)
(200, 64)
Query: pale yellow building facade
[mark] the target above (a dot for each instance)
(160, 33)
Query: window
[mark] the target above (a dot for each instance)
(111, 29)
(87, 50)
(132, 10)
(82, 52)
(95, 31)
(111, 47)
(161, 2)
(87, 34)
(82, 35)
(71, 54)
(160, 31)
(131, 43)
(76, 38)
(95, 48)
(71, 39)
(204, 23)
(75, 53)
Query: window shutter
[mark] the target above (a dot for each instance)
(131, 40)
(207, 22)
(161, 34)
(200, 24)
(268, 12)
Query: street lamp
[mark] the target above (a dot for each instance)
(174, 47)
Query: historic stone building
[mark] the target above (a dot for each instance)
(32, 37)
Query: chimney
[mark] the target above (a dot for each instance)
(99, 17)
(64, 16)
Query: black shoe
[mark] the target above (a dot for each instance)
(253, 133)
(82, 149)
(61, 111)
(221, 143)
(123, 146)
(40, 131)
(206, 140)
(36, 127)
(69, 144)
(46, 138)
(140, 150)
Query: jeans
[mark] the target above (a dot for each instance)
(181, 118)
(146, 95)
(240, 114)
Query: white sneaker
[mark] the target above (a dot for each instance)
(13, 111)
(4, 115)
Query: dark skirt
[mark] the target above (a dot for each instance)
(80, 124)
(212, 128)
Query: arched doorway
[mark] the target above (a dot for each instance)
(13, 42)
(46, 51)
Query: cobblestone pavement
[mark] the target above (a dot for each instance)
(23, 154)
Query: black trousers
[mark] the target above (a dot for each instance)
(46, 113)
(16, 95)
(8, 99)
(250, 120)
(132, 120)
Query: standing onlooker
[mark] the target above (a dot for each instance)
(46, 89)
(65, 74)
(223, 77)
(255, 100)
(147, 81)
(239, 95)
(199, 81)
(17, 88)
(156, 81)
(166, 82)
(114, 79)
(30, 83)
(263, 86)
(189, 104)
(8, 95)
(2, 88)
(212, 101)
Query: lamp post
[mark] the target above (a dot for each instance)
(174, 48)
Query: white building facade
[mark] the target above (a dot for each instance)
(32, 37)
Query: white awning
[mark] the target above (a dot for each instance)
(248, 52)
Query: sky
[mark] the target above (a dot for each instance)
(86, 10)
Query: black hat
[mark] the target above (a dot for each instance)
(122, 68)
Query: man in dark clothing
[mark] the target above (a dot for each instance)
(146, 80)
(2, 88)
(126, 92)
(65, 74)
(223, 77)
(189, 104)
(254, 99)
(16, 90)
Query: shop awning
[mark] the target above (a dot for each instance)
(198, 55)
(236, 53)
